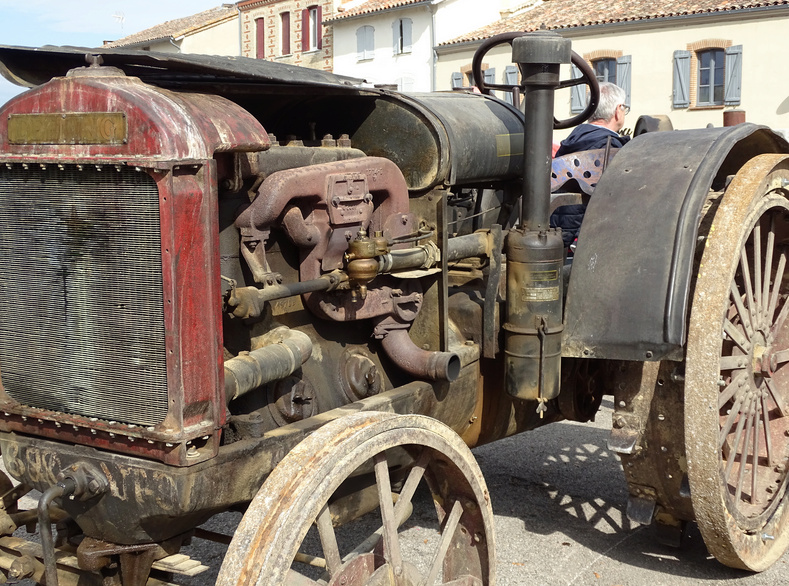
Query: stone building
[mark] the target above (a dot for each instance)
(288, 31)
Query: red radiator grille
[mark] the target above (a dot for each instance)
(81, 303)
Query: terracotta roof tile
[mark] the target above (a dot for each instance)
(566, 14)
(371, 6)
(177, 27)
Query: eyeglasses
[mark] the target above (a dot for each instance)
(625, 108)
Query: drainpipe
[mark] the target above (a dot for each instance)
(433, 53)
(240, 32)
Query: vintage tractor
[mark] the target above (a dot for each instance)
(228, 284)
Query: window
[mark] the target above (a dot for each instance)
(716, 78)
(608, 66)
(605, 70)
(260, 38)
(401, 35)
(489, 77)
(284, 32)
(311, 28)
(365, 43)
(510, 78)
(710, 80)
(457, 80)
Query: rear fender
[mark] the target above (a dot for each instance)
(631, 277)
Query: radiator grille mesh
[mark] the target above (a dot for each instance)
(81, 308)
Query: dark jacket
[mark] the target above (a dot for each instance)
(587, 137)
(569, 219)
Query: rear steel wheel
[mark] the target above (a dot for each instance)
(299, 494)
(737, 377)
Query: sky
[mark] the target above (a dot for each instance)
(87, 23)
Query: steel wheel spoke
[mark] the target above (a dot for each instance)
(768, 262)
(749, 425)
(726, 428)
(736, 336)
(736, 442)
(779, 321)
(734, 362)
(768, 442)
(781, 356)
(310, 560)
(731, 389)
(776, 397)
(757, 269)
(446, 538)
(411, 483)
(745, 316)
(391, 538)
(296, 579)
(328, 540)
(779, 275)
(402, 508)
(746, 277)
(755, 462)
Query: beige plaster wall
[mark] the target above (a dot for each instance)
(219, 39)
(765, 91)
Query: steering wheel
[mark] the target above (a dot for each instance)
(587, 78)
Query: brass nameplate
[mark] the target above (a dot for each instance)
(539, 293)
(68, 128)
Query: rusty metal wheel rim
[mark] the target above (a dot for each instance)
(735, 377)
(294, 497)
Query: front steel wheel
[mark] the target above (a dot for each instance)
(304, 491)
(736, 378)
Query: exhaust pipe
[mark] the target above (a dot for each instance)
(422, 364)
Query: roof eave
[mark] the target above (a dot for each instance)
(632, 23)
(343, 18)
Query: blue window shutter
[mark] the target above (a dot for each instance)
(681, 97)
(733, 81)
(489, 76)
(457, 79)
(360, 43)
(396, 36)
(370, 46)
(510, 78)
(577, 93)
(406, 28)
(623, 67)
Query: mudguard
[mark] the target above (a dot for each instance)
(631, 276)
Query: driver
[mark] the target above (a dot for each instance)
(604, 125)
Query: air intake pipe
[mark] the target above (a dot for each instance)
(535, 252)
(248, 371)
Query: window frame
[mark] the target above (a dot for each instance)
(284, 33)
(403, 29)
(311, 29)
(365, 43)
(687, 76)
(716, 74)
(610, 71)
(260, 37)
